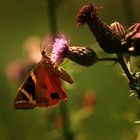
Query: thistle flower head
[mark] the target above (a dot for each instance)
(59, 46)
(82, 55)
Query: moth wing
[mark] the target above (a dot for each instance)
(48, 90)
(41, 88)
(26, 93)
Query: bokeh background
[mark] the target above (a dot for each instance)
(99, 106)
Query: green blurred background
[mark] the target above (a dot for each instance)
(113, 114)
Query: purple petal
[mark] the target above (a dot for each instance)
(59, 47)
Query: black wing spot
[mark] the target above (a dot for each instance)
(54, 95)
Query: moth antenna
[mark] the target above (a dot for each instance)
(44, 44)
(41, 44)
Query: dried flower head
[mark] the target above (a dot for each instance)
(106, 38)
(86, 12)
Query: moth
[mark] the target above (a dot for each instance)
(42, 87)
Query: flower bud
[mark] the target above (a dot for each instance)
(81, 55)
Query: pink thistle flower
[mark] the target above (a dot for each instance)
(60, 49)
(59, 46)
(136, 29)
(132, 39)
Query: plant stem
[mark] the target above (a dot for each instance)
(120, 59)
(133, 82)
(52, 5)
(51, 12)
(131, 79)
(66, 126)
(108, 59)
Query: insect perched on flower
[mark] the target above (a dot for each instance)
(42, 87)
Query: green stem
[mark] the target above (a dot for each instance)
(120, 59)
(52, 5)
(131, 79)
(66, 127)
(51, 12)
(108, 59)
(133, 82)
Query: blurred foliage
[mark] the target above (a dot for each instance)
(114, 113)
